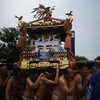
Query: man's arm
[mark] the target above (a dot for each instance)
(36, 84)
(2, 84)
(80, 88)
(45, 80)
(8, 88)
(64, 86)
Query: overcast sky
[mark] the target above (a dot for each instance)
(86, 20)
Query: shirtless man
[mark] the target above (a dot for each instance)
(84, 76)
(12, 84)
(45, 82)
(32, 84)
(22, 85)
(4, 76)
(62, 88)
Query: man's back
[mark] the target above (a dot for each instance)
(2, 89)
(45, 82)
(58, 93)
(42, 90)
(4, 76)
(81, 86)
(73, 95)
(62, 88)
(29, 91)
(13, 86)
(32, 84)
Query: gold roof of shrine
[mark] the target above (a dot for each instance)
(45, 26)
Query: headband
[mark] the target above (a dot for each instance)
(50, 73)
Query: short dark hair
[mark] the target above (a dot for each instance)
(66, 70)
(50, 70)
(95, 66)
(16, 71)
(33, 72)
(82, 65)
(1, 65)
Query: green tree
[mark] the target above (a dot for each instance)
(97, 58)
(8, 51)
(79, 58)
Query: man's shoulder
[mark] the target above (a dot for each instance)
(12, 78)
(62, 79)
(43, 78)
(28, 80)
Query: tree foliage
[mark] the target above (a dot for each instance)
(8, 51)
(97, 58)
(79, 58)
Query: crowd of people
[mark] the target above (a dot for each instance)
(49, 85)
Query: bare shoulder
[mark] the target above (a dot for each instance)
(43, 78)
(11, 79)
(63, 83)
(27, 80)
(62, 80)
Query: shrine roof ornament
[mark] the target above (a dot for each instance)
(69, 14)
(42, 11)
